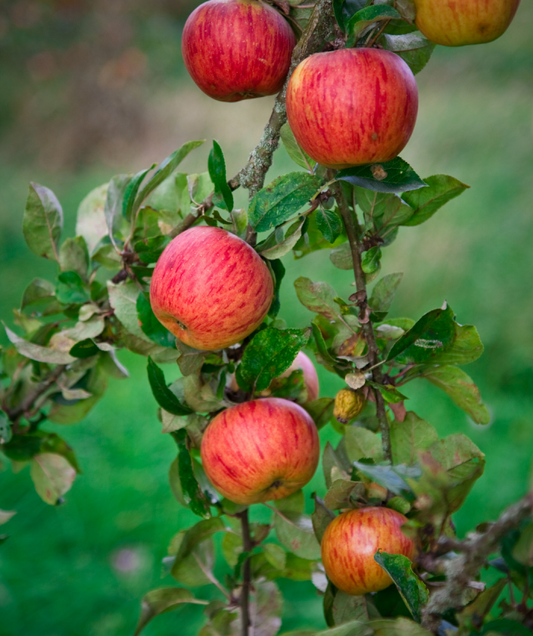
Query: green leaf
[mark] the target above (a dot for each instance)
(321, 410)
(90, 220)
(341, 256)
(390, 393)
(426, 202)
(196, 534)
(278, 271)
(318, 297)
(293, 149)
(481, 606)
(114, 203)
(151, 325)
(282, 199)
(192, 494)
(390, 477)
(166, 168)
(412, 590)
(507, 626)
(37, 352)
(295, 532)
(353, 628)
(345, 9)
(409, 437)
(392, 176)
(345, 608)
(272, 250)
(432, 334)
(74, 256)
(365, 18)
(42, 222)
(329, 223)
(466, 347)
(190, 360)
(84, 349)
(413, 48)
(268, 355)
(40, 295)
(131, 192)
(321, 518)
(217, 171)
(123, 300)
(361, 443)
(162, 600)
(340, 493)
(163, 395)
(370, 260)
(52, 476)
(460, 387)
(71, 290)
(383, 293)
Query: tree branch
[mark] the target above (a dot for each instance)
(319, 28)
(475, 551)
(247, 546)
(352, 230)
(16, 413)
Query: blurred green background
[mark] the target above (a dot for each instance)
(91, 89)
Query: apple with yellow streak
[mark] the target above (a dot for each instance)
(461, 22)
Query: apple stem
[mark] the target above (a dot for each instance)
(353, 231)
(247, 546)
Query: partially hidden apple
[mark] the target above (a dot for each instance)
(237, 49)
(350, 542)
(303, 363)
(261, 450)
(352, 106)
(457, 23)
(210, 288)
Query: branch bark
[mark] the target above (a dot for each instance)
(475, 551)
(353, 232)
(319, 28)
(246, 573)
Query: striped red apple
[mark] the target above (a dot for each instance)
(352, 106)
(352, 539)
(210, 288)
(261, 450)
(237, 49)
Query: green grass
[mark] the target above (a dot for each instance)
(58, 570)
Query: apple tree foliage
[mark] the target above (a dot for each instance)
(67, 332)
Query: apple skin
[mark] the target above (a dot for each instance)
(237, 49)
(352, 539)
(352, 106)
(462, 22)
(210, 288)
(261, 450)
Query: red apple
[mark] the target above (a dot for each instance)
(210, 288)
(456, 23)
(352, 107)
(352, 539)
(237, 49)
(260, 450)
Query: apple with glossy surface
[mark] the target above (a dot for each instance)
(352, 539)
(210, 288)
(237, 49)
(457, 23)
(261, 450)
(352, 107)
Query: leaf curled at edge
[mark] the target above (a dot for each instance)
(163, 395)
(217, 172)
(411, 588)
(162, 600)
